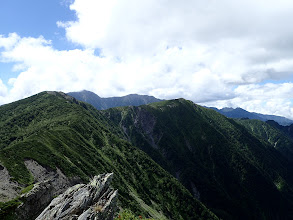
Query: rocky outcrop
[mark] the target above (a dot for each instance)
(93, 201)
(35, 200)
(58, 180)
(48, 183)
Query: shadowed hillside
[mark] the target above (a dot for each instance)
(272, 133)
(218, 160)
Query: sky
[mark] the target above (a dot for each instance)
(216, 53)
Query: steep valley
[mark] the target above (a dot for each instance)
(222, 163)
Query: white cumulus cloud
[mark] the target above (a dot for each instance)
(233, 53)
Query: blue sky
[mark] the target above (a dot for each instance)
(32, 18)
(222, 54)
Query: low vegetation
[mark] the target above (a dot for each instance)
(235, 173)
(239, 169)
(57, 131)
(271, 135)
(7, 209)
(27, 189)
(128, 215)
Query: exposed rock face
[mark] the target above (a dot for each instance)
(58, 181)
(92, 201)
(8, 188)
(35, 200)
(48, 183)
(145, 122)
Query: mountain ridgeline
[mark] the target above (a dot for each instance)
(105, 103)
(235, 173)
(58, 132)
(287, 130)
(280, 137)
(171, 159)
(241, 113)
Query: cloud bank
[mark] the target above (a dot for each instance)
(214, 53)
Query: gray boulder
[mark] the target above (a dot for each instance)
(93, 201)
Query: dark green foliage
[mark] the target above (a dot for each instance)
(272, 135)
(7, 209)
(287, 130)
(238, 175)
(57, 131)
(128, 215)
(27, 189)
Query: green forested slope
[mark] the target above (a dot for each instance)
(57, 131)
(287, 130)
(274, 136)
(235, 173)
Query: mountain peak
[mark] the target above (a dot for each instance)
(110, 102)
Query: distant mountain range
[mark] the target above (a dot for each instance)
(105, 103)
(241, 113)
(137, 100)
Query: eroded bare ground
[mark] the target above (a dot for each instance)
(58, 180)
(8, 189)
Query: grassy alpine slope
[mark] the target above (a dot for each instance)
(57, 131)
(232, 171)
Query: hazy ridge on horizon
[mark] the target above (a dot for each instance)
(136, 99)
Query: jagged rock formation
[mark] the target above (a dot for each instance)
(95, 201)
(35, 200)
(48, 184)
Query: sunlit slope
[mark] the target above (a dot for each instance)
(57, 131)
